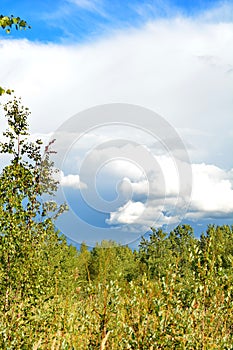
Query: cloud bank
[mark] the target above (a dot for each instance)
(212, 197)
(180, 68)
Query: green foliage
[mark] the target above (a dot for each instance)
(4, 91)
(110, 261)
(27, 232)
(155, 254)
(7, 22)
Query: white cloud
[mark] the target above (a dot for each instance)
(127, 214)
(121, 167)
(212, 197)
(161, 181)
(71, 180)
(212, 192)
(141, 216)
(138, 188)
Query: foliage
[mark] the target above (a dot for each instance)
(7, 22)
(109, 261)
(164, 313)
(27, 232)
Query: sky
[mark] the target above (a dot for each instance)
(138, 95)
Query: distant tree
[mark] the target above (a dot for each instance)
(182, 241)
(155, 254)
(110, 261)
(217, 242)
(83, 264)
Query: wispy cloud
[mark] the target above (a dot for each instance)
(154, 9)
(85, 20)
(90, 5)
(220, 12)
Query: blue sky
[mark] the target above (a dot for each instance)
(81, 20)
(174, 58)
